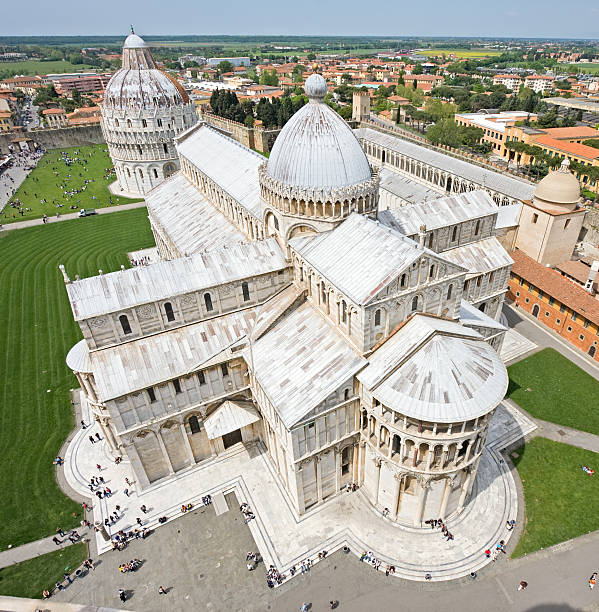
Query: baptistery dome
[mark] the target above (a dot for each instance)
(139, 84)
(317, 148)
(144, 109)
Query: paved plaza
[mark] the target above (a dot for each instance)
(283, 539)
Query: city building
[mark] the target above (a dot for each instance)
(54, 117)
(557, 302)
(539, 83)
(511, 81)
(550, 223)
(287, 316)
(494, 125)
(236, 61)
(65, 85)
(143, 110)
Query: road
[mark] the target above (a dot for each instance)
(74, 215)
(541, 335)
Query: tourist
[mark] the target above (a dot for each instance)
(333, 604)
(144, 509)
(122, 595)
(126, 492)
(488, 553)
(510, 524)
(91, 439)
(56, 541)
(83, 425)
(305, 607)
(427, 576)
(593, 580)
(139, 521)
(99, 467)
(45, 594)
(67, 577)
(161, 590)
(60, 532)
(98, 436)
(127, 482)
(523, 584)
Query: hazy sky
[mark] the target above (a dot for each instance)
(528, 18)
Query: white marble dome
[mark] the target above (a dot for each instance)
(139, 84)
(316, 148)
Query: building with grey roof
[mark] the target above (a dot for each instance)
(289, 314)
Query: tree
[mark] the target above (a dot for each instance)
(225, 66)
(444, 132)
(591, 142)
(269, 77)
(471, 135)
(298, 72)
(345, 112)
(418, 69)
(311, 57)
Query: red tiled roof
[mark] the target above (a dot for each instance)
(573, 148)
(581, 131)
(555, 285)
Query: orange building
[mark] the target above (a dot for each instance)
(563, 306)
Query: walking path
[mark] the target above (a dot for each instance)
(575, 437)
(40, 221)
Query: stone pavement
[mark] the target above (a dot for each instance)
(37, 548)
(283, 538)
(575, 437)
(514, 346)
(67, 216)
(19, 604)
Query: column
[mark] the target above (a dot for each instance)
(421, 499)
(137, 465)
(337, 470)
(468, 451)
(169, 465)
(318, 479)
(105, 427)
(398, 476)
(429, 457)
(377, 463)
(464, 492)
(445, 498)
(359, 461)
(187, 443)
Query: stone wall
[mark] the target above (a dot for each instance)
(254, 138)
(590, 226)
(57, 138)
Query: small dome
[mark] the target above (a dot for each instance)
(316, 87)
(133, 41)
(559, 190)
(316, 148)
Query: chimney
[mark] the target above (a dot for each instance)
(588, 286)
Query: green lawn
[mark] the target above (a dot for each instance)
(36, 332)
(552, 388)
(30, 578)
(52, 177)
(33, 67)
(581, 67)
(461, 53)
(559, 496)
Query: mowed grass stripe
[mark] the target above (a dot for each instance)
(36, 332)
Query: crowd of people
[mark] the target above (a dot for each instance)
(144, 261)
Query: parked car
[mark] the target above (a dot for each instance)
(86, 212)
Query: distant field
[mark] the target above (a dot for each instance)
(461, 53)
(31, 67)
(581, 67)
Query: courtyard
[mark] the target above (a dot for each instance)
(67, 180)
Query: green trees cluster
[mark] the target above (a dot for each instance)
(273, 113)
(269, 77)
(447, 132)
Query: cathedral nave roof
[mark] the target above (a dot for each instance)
(360, 256)
(440, 212)
(166, 279)
(227, 162)
(479, 257)
(152, 360)
(191, 222)
(300, 362)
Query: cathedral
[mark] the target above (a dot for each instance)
(352, 345)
